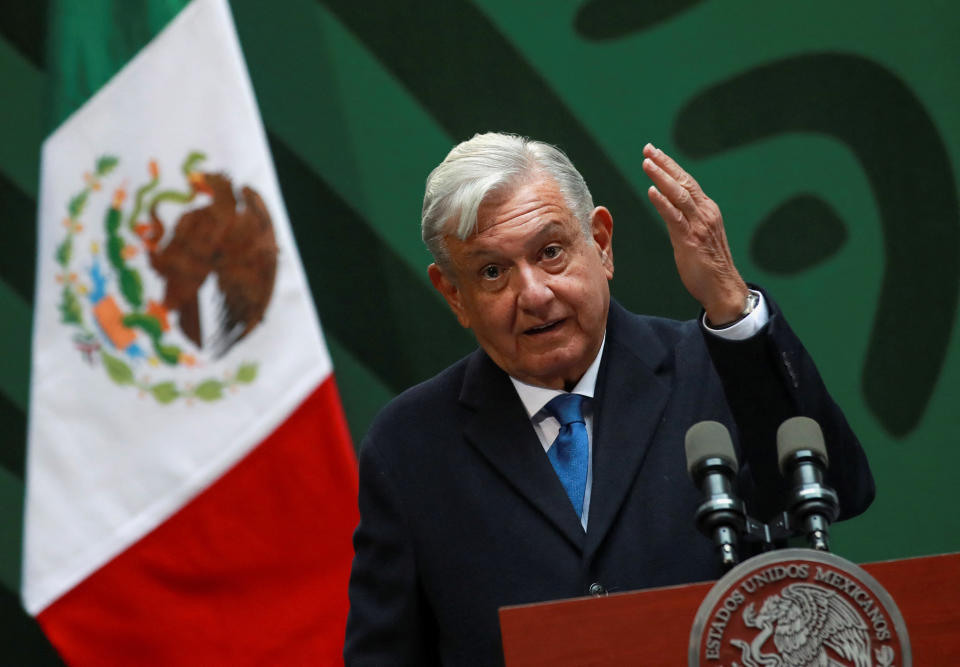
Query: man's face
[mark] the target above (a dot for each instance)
(530, 285)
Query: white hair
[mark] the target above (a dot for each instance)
(492, 163)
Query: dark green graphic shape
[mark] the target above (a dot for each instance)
(799, 234)
(496, 89)
(22, 640)
(868, 108)
(13, 425)
(18, 251)
(366, 296)
(24, 26)
(17, 257)
(609, 19)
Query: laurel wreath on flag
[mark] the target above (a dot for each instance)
(110, 315)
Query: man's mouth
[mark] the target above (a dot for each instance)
(543, 328)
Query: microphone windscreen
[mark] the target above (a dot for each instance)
(799, 433)
(709, 439)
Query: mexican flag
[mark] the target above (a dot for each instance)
(191, 485)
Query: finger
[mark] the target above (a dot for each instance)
(679, 196)
(676, 222)
(678, 173)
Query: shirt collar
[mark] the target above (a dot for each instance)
(534, 398)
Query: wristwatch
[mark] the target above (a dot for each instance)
(753, 300)
(751, 303)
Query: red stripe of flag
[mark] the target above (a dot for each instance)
(252, 570)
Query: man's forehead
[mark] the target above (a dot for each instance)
(488, 242)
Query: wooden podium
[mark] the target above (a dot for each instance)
(652, 627)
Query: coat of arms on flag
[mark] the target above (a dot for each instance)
(191, 484)
(220, 246)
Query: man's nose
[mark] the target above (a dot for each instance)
(533, 290)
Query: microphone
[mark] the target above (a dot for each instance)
(712, 465)
(802, 457)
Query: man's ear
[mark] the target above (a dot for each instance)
(601, 226)
(442, 282)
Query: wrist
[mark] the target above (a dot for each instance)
(732, 310)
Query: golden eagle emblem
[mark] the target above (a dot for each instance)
(811, 625)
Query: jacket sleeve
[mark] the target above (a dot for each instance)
(388, 623)
(767, 379)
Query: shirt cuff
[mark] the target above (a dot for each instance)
(745, 328)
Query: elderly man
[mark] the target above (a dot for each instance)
(549, 463)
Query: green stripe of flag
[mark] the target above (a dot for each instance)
(91, 40)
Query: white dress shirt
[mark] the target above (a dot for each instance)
(535, 398)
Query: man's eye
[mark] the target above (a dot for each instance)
(551, 252)
(490, 272)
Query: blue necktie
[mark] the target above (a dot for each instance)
(570, 452)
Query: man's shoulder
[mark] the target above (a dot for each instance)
(444, 387)
(430, 403)
(634, 328)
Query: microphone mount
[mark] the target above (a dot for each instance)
(812, 506)
(722, 515)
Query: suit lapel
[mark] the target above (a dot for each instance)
(632, 390)
(501, 431)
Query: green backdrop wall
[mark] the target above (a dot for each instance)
(828, 132)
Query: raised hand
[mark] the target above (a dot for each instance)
(699, 241)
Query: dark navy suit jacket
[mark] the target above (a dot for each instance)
(462, 513)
